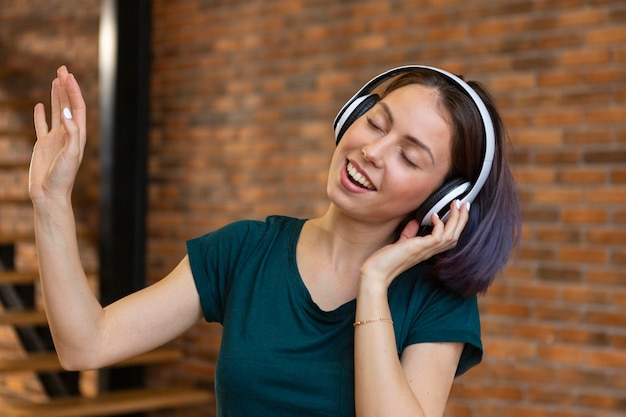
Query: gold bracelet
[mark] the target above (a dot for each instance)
(358, 323)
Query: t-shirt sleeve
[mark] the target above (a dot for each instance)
(442, 316)
(213, 259)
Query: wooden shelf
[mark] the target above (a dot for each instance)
(49, 361)
(18, 278)
(109, 404)
(10, 277)
(104, 404)
(23, 318)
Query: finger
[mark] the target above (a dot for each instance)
(410, 230)
(39, 118)
(55, 104)
(77, 105)
(460, 214)
(438, 226)
(74, 146)
(63, 96)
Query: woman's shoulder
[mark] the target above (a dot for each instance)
(417, 292)
(250, 226)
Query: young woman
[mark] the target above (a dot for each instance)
(361, 311)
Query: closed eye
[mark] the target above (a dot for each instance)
(406, 158)
(373, 125)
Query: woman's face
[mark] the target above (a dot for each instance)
(392, 158)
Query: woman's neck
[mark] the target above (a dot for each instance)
(330, 252)
(341, 238)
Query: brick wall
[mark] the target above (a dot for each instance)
(243, 99)
(243, 96)
(37, 36)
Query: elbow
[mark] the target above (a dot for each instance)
(70, 364)
(71, 361)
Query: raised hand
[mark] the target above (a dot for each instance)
(59, 149)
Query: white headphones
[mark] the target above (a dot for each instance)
(438, 202)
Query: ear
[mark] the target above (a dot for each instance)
(439, 201)
(356, 109)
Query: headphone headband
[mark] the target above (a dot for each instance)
(489, 138)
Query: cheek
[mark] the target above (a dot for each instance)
(416, 191)
(338, 159)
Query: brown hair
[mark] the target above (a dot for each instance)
(495, 221)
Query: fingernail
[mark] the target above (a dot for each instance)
(467, 206)
(67, 113)
(458, 204)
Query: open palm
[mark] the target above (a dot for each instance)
(59, 149)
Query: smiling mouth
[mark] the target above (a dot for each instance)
(358, 179)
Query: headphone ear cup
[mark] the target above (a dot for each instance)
(439, 201)
(357, 109)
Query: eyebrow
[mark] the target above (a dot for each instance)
(413, 139)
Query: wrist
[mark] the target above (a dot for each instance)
(371, 287)
(50, 205)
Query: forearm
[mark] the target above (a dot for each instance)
(74, 314)
(381, 387)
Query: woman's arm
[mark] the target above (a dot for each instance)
(419, 383)
(85, 334)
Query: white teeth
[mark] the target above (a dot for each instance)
(356, 176)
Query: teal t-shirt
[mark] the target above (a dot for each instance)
(281, 355)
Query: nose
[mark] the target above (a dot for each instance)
(376, 150)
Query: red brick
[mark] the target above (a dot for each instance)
(606, 318)
(561, 117)
(606, 276)
(582, 17)
(536, 291)
(537, 253)
(497, 308)
(586, 294)
(618, 176)
(509, 348)
(618, 256)
(583, 176)
(607, 358)
(535, 331)
(607, 237)
(539, 214)
(603, 401)
(537, 137)
(585, 57)
(607, 195)
(558, 234)
(561, 353)
(519, 371)
(583, 255)
(610, 115)
(582, 377)
(618, 381)
(619, 298)
(560, 157)
(584, 336)
(584, 215)
(560, 195)
(535, 175)
(607, 35)
(516, 81)
(548, 396)
(525, 411)
(563, 314)
(588, 137)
